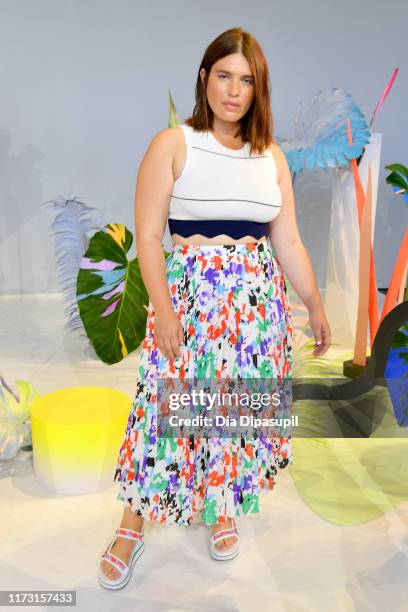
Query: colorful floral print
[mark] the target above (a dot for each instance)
(233, 306)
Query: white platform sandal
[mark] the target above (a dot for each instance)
(125, 570)
(227, 553)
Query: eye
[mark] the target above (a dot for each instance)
(248, 80)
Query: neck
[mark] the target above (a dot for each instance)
(226, 129)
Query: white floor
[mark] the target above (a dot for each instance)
(290, 558)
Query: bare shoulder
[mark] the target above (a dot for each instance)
(167, 140)
(166, 152)
(279, 158)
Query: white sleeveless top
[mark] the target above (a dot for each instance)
(222, 183)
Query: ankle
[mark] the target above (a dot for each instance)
(132, 520)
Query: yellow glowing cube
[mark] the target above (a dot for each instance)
(76, 436)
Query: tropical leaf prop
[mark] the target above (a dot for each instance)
(71, 230)
(111, 295)
(320, 136)
(174, 120)
(398, 179)
(15, 415)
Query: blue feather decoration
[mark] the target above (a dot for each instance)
(321, 133)
(73, 227)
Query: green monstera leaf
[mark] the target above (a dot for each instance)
(111, 295)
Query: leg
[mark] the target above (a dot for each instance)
(123, 548)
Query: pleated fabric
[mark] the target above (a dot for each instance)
(234, 309)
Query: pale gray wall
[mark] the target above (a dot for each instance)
(85, 87)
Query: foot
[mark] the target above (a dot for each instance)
(226, 542)
(123, 548)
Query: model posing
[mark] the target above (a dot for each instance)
(218, 304)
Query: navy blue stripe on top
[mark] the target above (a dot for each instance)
(231, 227)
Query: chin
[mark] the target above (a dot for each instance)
(229, 116)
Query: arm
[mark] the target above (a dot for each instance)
(286, 241)
(292, 254)
(153, 190)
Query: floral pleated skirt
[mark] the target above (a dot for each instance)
(234, 309)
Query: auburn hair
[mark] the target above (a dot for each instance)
(256, 126)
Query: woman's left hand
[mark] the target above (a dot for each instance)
(321, 330)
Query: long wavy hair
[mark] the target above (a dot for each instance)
(256, 126)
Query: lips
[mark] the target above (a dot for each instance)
(231, 105)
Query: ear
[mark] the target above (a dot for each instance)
(202, 75)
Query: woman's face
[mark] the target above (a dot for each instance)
(230, 80)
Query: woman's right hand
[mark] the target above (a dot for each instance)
(168, 333)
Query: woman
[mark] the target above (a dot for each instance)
(218, 304)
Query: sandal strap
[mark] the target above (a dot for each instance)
(225, 533)
(115, 561)
(129, 534)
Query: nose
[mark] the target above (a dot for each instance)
(233, 89)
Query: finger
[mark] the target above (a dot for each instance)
(181, 335)
(168, 348)
(326, 338)
(318, 337)
(175, 347)
(161, 345)
(320, 349)
(171, 348)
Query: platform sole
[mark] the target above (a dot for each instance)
(119, 585)
(226, 557)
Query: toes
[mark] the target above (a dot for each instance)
(220, 544)
(229, 542)
(226, 543)
(109, 571)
